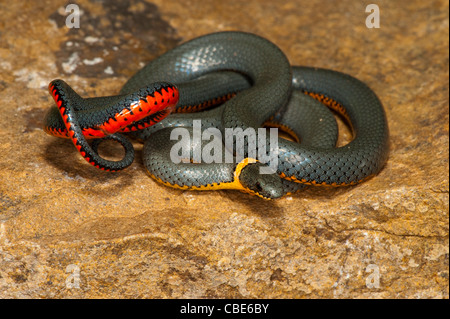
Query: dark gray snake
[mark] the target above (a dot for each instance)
(217, 66)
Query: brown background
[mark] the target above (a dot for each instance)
(133, 238)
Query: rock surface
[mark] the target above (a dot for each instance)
(68, 230)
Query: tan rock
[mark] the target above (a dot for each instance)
(68, 230)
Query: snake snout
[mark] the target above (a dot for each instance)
(267, 186)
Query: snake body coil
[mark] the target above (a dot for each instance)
(260, 72)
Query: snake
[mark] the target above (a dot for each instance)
(101, 118)
(267, 84)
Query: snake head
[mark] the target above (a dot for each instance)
(267, 186)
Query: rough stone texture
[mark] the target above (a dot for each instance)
(133, 238)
